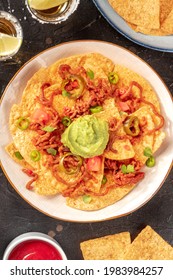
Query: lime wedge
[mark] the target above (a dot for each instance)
(45, 4)
(9, 44)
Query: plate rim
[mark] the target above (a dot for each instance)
(85, 221)
(104, 14)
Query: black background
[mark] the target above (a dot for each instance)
(16, 216)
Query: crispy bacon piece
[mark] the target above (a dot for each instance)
(64, 70)
(30, 173)
(42, 99)
(121, 179)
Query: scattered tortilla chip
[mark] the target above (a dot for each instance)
(143, 13)
(148, 17)
(165, 9)
(110, 247)
(148, 31)
(167, 25)
(149, 245)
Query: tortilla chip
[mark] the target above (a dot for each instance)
(111, 111)
(126, 76)
(159, 137)
(33, 89)
(11, 149)
(109, 247)
(146, 140)
(165, 9)
(167, 25)
(149, 245)
(144, 13)
(148, 31)
(99, 202)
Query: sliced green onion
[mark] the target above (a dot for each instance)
(148, 152)
(104, 180)
(127, 169)
(65, 93)
(150, 161)
(66, 121)
(87, 198)
(130, 168)
(18, 155)
(35, 155)
(96, 109)
(124, 169)
(52, 151)
(23, 123)
(113, 78)
(49, 128)
(90, 74)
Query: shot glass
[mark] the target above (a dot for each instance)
(11, 35)
(54, 14)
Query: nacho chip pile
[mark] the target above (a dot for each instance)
(148, 245)
(82, 128)
(149, 17)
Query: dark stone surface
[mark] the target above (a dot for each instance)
(16, 216)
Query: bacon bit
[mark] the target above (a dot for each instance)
(121, 179)
(113, 124)
(111, 164)
(71, 85)
(45, 140)
(81, 108)
(30, 173)
(115, 165)
(42, 99)
(64, 70)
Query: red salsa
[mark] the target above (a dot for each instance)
(35, 250)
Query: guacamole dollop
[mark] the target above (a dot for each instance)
(87, 136)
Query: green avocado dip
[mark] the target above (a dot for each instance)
(86, 136)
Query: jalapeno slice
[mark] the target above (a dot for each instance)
(35, 155)
(66, 121)
(74, 86)
(23, 123)
(71, 169)
(113, 78)
(131, 126)
(96, 109)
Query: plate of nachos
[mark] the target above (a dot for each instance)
(86, 131)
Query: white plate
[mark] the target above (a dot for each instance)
(55, 206)
(160, 43)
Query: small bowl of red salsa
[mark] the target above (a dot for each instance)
(34, 246)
